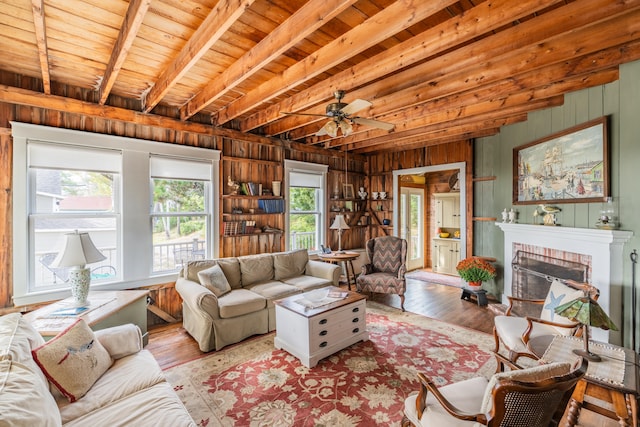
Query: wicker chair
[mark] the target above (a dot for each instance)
(533, 397)
(515, 333)
(386, 268)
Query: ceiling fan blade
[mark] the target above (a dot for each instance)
(355, 106)
(373, 123)
(303, 114)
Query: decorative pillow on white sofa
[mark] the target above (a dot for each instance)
(73, 360)
(213, 278)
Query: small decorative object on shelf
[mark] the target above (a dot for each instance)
(549, 213)
(505, 215)
(475, 270)
(234, 185)
(374, 195)
(276, 187)
(608, 218)
(362, 193)
(383, 195)
(512, 216)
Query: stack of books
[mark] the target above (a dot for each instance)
(233, 228)
(271, 205)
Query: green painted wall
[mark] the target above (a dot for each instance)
(493, 157)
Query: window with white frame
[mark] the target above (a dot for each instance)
(180, 215)
(141, 202)
(306, 184)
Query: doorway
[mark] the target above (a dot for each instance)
(411, 225)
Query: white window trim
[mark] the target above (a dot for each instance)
(305, 167)
(135, 203)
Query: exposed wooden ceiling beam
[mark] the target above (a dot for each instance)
(374, 30)
(37, 7)
(30, 98)
(303, 22)
(221, 17)
(127, 34)
(475, 23)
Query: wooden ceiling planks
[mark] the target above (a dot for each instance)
(439, 70)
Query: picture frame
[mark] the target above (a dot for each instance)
(325, 249)
(348, 192)
(571, 166)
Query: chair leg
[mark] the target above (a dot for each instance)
(402, 302)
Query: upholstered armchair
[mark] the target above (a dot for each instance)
(533, 397)
(386, 268)
(514, 333)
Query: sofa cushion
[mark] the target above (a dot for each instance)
(17, 338)
(239, 302)
(308, 283)
(230, 267)
(126, 377)
(256, 268)
(24, 399)
(213, 278)
(157, 406)
(290, 264)
(73, 360)
(274, 290)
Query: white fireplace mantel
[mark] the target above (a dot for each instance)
(604, 246)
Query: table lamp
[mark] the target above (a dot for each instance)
(339, 224)
(78, 251)
(587, 311)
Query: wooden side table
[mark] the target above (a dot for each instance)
(106, 309)
(346, 259)
(620, 399)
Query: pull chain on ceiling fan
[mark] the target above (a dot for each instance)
(340, 114)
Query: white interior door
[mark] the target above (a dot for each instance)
(411, 225)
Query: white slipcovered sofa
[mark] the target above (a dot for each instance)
(226, 300)
(131, 392)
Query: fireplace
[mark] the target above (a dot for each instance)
(599, 252)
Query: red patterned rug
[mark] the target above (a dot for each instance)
(253, 384)
(440, 279)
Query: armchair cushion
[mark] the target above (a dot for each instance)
(559, 293)
(510, 330)
(213, 278)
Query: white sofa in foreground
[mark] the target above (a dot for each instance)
(230, 299)
(131, 392)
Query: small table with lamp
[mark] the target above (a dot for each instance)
(346, 259)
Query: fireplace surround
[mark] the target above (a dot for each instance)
(603, 249)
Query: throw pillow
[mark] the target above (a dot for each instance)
(559, 293)
(73, 360)
(213, 278)
(290, 264)
(256, 269)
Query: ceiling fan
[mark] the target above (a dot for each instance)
(341, 117)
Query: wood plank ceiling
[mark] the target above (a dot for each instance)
(439, 70)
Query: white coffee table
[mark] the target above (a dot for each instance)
(311, 334)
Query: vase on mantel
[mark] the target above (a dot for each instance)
(474, 286)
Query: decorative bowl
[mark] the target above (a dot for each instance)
(444, 235)
(316, 295)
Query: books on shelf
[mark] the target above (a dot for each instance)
(251, 188)
(233, 228)
(271, 205)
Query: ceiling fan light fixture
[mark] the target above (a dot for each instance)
(332, 128)
(346, 127)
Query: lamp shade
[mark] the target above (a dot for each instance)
(332, 128)
(339, 223)
(346, 127)
(78, 250)
(587, 311)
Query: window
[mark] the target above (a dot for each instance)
(307, 206)
(146, 205)
(180, 211)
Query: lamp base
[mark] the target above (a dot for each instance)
(591, 357)
(79, 280)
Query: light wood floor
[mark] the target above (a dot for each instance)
(172, 345)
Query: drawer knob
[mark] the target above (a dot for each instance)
(323, 333)
(356, 330)
(323, 344)
(355, 320)
(323, 322)
(355, 310)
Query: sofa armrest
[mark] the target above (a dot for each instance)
(198, 298)
(323, 270)
(121, 341)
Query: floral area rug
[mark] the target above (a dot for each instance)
(440, 279)
(253, 384)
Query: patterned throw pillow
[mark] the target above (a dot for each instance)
(559, 293)
(213, 278)
(73, 360)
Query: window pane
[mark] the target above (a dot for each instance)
(303, 199)
(174, 195)
(178, 239)
(49, 239)
(73, 191)
(303, 231)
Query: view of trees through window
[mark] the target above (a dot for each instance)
(304, 217)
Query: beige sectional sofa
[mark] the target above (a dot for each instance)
(132, 391)
(222, 309)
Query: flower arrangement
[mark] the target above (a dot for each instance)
(475, 269)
